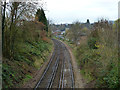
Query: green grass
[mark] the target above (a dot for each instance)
(27, 77)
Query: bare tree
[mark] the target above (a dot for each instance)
(3, 23)
(75, 32)
(17, 12)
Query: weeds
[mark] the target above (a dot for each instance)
(27, 77)
(100, 61)
(97, 56)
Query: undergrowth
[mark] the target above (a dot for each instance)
(98, 60)
(29, 56)
(97, 56)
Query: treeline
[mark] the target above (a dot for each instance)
(14, 16)
(97, 53)
(25, 41)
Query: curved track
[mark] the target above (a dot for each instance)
(58, 73)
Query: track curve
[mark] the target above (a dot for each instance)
(59, 72)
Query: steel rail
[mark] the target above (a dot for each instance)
(53, 55)
(55, 69)
(44, 72)
(56, 65)
(71, 71)
(53, 74)
(61, 80)
(61, 83)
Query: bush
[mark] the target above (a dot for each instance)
(92, 43)
(98, 59)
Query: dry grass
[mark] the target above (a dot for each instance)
(38, 62)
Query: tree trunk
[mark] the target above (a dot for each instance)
(3, 25)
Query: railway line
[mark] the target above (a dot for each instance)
(58, 73)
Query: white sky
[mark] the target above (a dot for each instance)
(68, 11)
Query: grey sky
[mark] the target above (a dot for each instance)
(68, 11)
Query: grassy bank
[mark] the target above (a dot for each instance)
(27, 60)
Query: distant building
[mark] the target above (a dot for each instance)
(87, 25)
(63, 32)
(88, 21)
(57, 32)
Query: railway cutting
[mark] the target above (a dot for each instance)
(59, 72)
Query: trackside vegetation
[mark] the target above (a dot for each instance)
(26, 43)
(97, 55)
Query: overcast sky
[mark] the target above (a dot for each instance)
(68, 11)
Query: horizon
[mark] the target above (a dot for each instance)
(78, 10)
(81, 22)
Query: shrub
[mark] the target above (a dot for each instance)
(92, 43)
(98, 59)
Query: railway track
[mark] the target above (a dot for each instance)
(58, 73)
